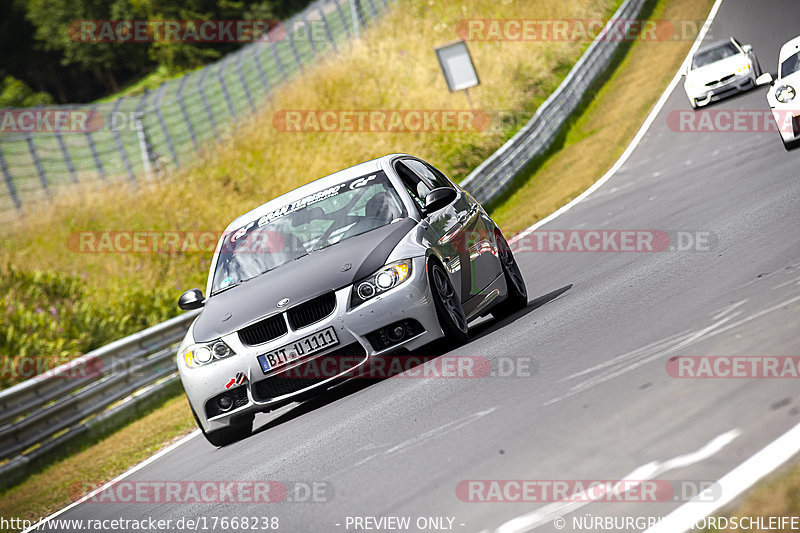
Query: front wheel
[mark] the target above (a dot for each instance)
(451, 315)
(223, 437)
(791, 145)
(517, 292)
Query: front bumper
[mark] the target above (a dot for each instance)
(707, 94)
(787, 120)
(412, 300)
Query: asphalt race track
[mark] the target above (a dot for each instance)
(599, 403)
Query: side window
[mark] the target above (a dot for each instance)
(433, 177)
(415, 186)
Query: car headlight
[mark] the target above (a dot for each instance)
(201, 354)
(743, 70)
(388, 277)
(785, 94)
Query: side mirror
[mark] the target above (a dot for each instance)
(764, 79)
(747, 48)
(438, 199)
(191, 299)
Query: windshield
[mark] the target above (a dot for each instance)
(298, 228)
(701, 59)
(790, 65)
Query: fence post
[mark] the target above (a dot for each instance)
(290, 34)
(121, 147)
(183, 110)
(239, 56)
(328, 31)
(341, 16)
(225, 93)
(67, 158)
(92, 148)
(200, 82)
(160, 115)
(37, 163)
(260, 68)
(372, 8)
(12, 190)
(310, 34)
(145, 148)
(278, 60)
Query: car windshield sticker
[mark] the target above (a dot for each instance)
(299, 204)
(225, 282)
(302, 203)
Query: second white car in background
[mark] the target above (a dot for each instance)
(782, 96)
(718, 70)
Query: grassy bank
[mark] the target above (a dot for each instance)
(778, 496)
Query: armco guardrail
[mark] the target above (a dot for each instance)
(40, 414)
(141, 134)
(38, 411)
(493, 176)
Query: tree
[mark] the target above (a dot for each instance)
(16, 93)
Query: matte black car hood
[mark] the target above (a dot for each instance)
(299, 280)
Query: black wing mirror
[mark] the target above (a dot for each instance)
(438, 198)
(191, 299)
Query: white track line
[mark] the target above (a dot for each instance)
(652, 470)
(117, 479)
(732, 484)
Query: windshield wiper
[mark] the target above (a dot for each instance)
(232, 285)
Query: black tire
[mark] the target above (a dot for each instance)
(517, 298)
(451, 315)
(791, 145)
(222, 437)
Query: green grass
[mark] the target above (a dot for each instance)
(47, 319)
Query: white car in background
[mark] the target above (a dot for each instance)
(718, 70)
(782, 96)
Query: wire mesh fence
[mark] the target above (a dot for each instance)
(133, 137)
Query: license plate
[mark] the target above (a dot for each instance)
(306, 346)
